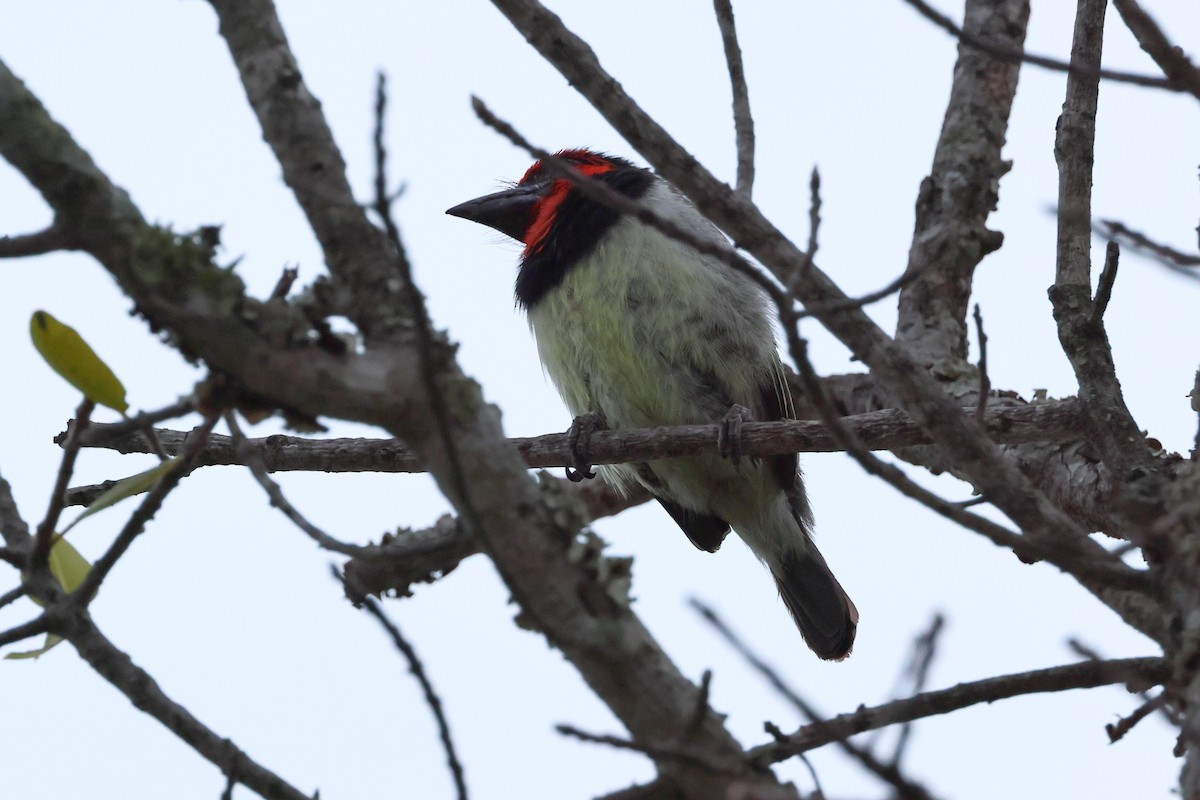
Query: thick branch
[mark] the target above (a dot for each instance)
(951, 236)
(1080, 331)
(294, 126)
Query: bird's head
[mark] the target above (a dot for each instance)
(558, 224)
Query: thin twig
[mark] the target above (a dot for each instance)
(1084, 650)
(1117, 730)
(438, 407)
(653, 751)
(803, 269)
(12, 596)
(101, 433)
(814, 309)
(1171, 59)
(145, 511)
(985, 383)
(1082, 558)
(284, 284)
(924, 652)
(1112, 255)
(890, 774)
(812, 771)
(58, 495)
(19, 633)
(1166, 254)
(1020, 57)
(743, 122)
(116, 667)
(701, 704)
(1085, 675)
(255, 464)
(418, 671)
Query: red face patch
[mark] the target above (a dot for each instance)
(544, 211)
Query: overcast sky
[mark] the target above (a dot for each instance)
(233, 610)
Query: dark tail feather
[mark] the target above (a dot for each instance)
(825, 615)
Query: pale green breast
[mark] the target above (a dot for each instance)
(644, 331)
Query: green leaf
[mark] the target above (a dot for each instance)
(67, 565)
(51, 641)
(70, 356)
(126, 487)
(69, 568)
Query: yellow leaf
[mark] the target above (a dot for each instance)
(67, 565)
(69, 568)
(70, 356)
(126, 487)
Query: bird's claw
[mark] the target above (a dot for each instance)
(729, 433)
(578, 440)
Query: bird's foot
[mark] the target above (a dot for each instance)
(729, 433)
(578, 439)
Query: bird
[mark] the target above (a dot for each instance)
(638, 329)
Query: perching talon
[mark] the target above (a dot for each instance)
(729, 433)
(578, 440)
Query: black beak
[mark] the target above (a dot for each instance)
(509, 211)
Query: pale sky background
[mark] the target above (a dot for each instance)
(233, 610)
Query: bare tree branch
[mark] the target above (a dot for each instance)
(1180, 71)
(418, 671)
(145, 511)
(878, 430)
(1017, 56)
(45, 241)
(985, 384)
(657, 752)
(1167, 256)
(950, 236)
(143, 691)
(278, 499)
(743, 122)
(1094, 567)
(1085, 675)
(924, 652)
(1108, 277)
(422, 556)
(13, 528)
(905, 788)
(1081, 333)
(293, 124)
(46, 529)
